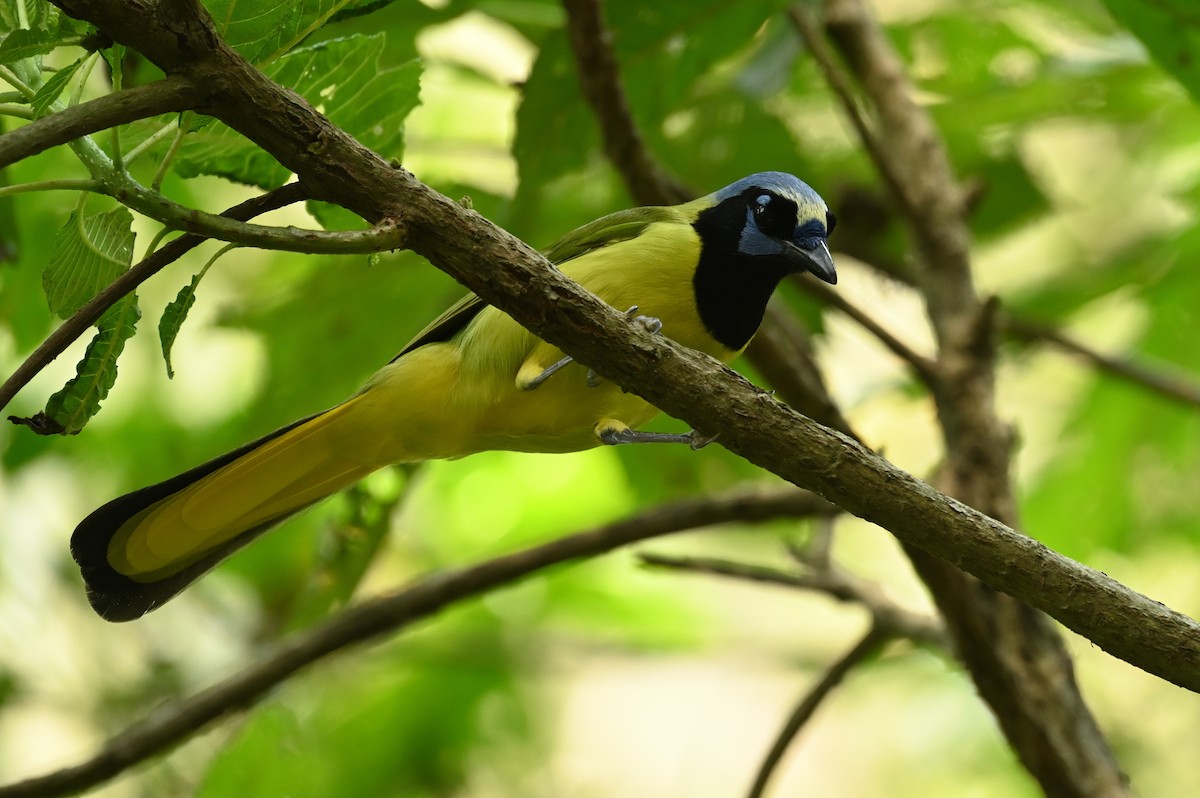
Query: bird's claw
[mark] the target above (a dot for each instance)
(695, 440)
(594, 380)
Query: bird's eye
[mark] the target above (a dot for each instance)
(830, 222)
(761, 203)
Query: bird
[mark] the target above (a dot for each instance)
(475, 380)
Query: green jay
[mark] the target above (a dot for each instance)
(475, 380)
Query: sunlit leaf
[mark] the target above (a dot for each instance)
(1170, 29)
(263, 30)
(22, 44)
(173, 317)
(80, 398)
(342, 78)
(89, 253)
(52, 88)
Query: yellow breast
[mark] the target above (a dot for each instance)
(480, 407)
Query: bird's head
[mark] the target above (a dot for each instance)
(782, 221)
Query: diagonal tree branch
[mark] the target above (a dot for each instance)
(507, 273)
(1015, 656)
(168, 726)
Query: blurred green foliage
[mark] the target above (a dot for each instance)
(1081, 147)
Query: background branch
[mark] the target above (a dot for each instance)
(1172, 386)
(832, 581)
(874, 640)
(168, 726)
(599, 76)
(1015, 656)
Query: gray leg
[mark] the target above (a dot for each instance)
(649, 322)
(614, 437)
(545, 375)
(593, 379)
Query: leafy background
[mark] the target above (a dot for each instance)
(1079, 124)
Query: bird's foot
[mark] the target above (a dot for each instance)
(534, 382)
(594, 380)
(651, 325)
(616, 436)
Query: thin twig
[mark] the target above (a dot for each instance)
(1171, 386)
(864, 649)
(167, 726)
(924, 368)
(783, 354)
(834, 582)
(1174, 386)
(384, 235)
(58, 341)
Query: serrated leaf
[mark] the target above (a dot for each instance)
(115, 58)
(263, 30)
(1170, 30)
(88, 254)
(174, 314)
(254, 27)
(52, 88)
(342, 78)
(22, 44)
(95, 374)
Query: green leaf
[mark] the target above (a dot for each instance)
(264, 30)
(80, 398)
(1170, 29)
(53, 87)
(89, 253)
(249, 26)
(22, 44)
(342, 78)
(173, 317)
(115, 58)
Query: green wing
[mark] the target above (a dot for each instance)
(619, 226)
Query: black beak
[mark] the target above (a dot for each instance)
(817, 261)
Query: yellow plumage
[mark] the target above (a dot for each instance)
(459, 388)
(478, 407)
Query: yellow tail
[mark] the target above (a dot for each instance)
(141, 549)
